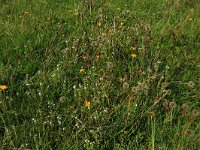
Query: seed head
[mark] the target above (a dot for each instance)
(172, 105)
(166, 92)
(190, 84)
(166, 104)
(195, 113)
(110, 65)
(189, 133)
(185, 107)
(125, 85)
(62, 99)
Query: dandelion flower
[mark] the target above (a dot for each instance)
(110, 31)
(82, 70)
(103, 34)
(133, 48)
(87, 104)
(121, 24)
(3, 87)
(133, 55)
(99, 24)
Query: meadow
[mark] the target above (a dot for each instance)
(99, 74)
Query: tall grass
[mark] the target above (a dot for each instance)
(100, 74)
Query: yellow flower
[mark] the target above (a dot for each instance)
(120, 78)
(110, 31)
(133, 48)
(82, 70)
(3, 87)
(99, 24)
(103, 34)
(133, 55)
(121, 24)
(97, 56)
(190, 19)
(87, 104)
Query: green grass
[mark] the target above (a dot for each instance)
(56, 55)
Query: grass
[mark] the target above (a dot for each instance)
(95, 74)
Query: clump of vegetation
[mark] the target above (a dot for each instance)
(99, 74)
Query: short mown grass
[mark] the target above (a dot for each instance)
(109, 74)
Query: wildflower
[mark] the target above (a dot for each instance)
(133, 48)
(120, 79)
(99, 24)
(190, 19)
(110, 31)
(97, 56)
(133, 55)
(121, 24)
(87, 104)
(103, 34)
(84, 57)
(82, 70)
(3, 87)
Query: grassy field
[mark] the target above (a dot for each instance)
(100, 74)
